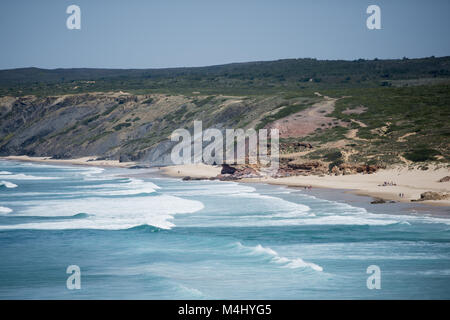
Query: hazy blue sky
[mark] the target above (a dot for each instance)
(170, 33)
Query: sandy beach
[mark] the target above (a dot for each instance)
(192, 170)
(410, 182)
(86, 161)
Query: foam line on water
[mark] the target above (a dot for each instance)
(92, 173)
(8, 184)
(209, 189)
(285, 262)
(131, 187)
(22, 176)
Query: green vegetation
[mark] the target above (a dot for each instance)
(109, 110)
(396, 122)
(148, 101)
(333, 156)
(201, 103)
(120, 126)
(422, 153)
(288, 76)
(387, 110)
(284, 112)
(88, 120)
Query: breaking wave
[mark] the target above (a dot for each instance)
(8, 184)
(21, 176)
(108, 213)
(285, 262)
(5, 210)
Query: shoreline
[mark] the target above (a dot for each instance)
(410, 182)
(390, 194)
(83, 161)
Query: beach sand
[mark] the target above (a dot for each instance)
(192, 170)
(87, 161)
(410, 182)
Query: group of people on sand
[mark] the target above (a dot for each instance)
(401, 195)
(388, 183)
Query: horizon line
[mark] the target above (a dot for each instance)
(224, 64)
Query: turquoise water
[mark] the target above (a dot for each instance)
(159, 238)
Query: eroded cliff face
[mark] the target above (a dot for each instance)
(116, 125)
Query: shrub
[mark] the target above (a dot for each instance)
(336, 163)
(421, 154)
(333, 156)
(122, 125)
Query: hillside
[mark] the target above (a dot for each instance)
(236, 78)
(339, 113)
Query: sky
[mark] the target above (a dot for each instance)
(177, 33)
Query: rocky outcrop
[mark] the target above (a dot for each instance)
(307, 165)
(230, 173)
(227, 169)
(431, 195)
(116, 125)
(381, 201)
(188, 178)
(378, 201)
(346, 168)
(316, 167)
(445, 179)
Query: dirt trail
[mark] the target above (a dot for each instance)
(307, 121)
(403, 138)
(361, 124)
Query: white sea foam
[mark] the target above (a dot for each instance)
(92, 173)
(285, 262)
(21, 176)
(108, 213)
(286, 207)
(210, 189)
(8, 184)
(132, 187)
(346, 220)
(270, 206)
(260, 221)
(191, 292)
(5, 172)
(4, 210)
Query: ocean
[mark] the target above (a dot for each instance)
(134, 236)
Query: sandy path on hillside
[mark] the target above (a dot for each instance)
(307, 121)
